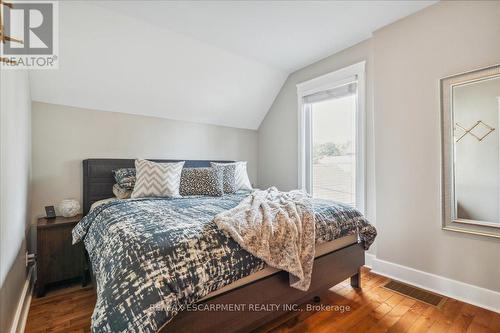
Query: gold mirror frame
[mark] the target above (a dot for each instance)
(447, 140)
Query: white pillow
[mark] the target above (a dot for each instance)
(241, 177)
(157, 179)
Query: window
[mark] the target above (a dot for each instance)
(331, 136)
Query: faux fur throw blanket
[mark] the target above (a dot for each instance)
(277, 227)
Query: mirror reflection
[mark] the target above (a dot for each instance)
(476, 147)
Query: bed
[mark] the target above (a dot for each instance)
(148, 275)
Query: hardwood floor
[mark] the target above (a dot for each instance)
(371, 309)
(66, 310)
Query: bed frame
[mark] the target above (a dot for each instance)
(329, 269)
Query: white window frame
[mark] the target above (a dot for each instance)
(322, 83)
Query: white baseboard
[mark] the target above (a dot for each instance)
(461, 291)
(369, 258)
(23, 306)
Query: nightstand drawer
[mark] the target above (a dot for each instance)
(57, 258)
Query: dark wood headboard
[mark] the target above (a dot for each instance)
(98, 177)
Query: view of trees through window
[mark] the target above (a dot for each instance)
(333, 143)
(330, 149)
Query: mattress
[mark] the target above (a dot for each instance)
(151, 256)
(321, 249)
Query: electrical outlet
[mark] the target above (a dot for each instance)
(30, 258)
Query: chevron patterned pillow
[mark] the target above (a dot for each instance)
(157, 179)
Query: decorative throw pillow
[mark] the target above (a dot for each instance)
(157, 179)
(120, 192)
(229, 174)
(125, 178)
(202, 181)
(241, 177)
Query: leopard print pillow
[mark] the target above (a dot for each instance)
(202, 181)
(229, 175)
(121, 193)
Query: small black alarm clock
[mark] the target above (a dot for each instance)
(50, 211)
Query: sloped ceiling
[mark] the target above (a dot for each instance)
(214, 62)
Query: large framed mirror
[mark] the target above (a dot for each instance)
(470, 120)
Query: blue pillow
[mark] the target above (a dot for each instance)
(125, 177)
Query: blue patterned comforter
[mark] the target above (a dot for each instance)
(151, 257)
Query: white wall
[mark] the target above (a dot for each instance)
(15, 155)
(405, 62)
(278, 133)
(410, 57)
(63, 136)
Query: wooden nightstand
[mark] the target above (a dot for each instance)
(57, 259)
